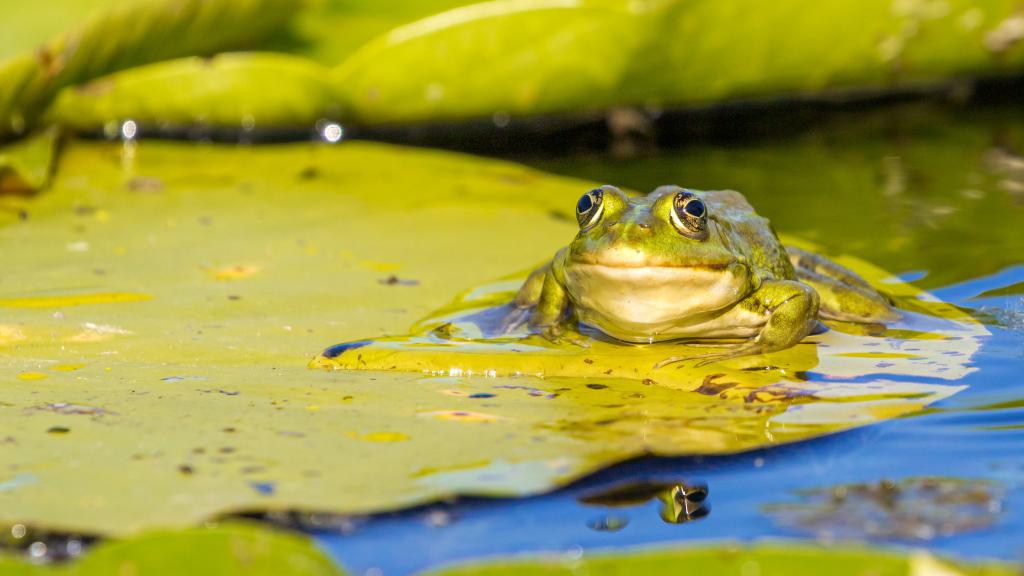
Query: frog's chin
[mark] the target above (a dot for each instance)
(655, 302)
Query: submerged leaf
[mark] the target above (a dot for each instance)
(126, 35)
(233, 90)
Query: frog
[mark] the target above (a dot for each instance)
(696, 266)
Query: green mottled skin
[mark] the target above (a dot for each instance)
(641, 270)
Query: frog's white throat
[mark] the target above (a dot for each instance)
(644, 304)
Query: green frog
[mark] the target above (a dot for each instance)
(690, 265)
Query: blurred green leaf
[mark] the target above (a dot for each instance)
(227, 549)
(241, 90)
(128, 35)
(542, 56)
(505, 57)
(763, 559)
(327, 31)
(25, 165)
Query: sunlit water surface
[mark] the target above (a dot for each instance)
(935, 196)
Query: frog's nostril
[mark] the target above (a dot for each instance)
(644, 226)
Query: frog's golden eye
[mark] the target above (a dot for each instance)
(589, 208)
(690, 215)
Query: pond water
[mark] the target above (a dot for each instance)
(934, 195)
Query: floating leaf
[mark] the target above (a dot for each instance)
(316, 30)
(764, 559)
(235, 90)
(25, 165)
(231, 548)
(542, 56)
(125, 35)
(200, 397)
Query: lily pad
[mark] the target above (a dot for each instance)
(233, 548)
(766, 559)
(25, 165)
(162, 302)
(126, 35)
(238, 90)
(535, 57)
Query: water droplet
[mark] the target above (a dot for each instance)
(332, 133)
(37, 549)
(129, 130)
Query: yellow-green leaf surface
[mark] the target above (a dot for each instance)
(161, 302)
(235, 548)
(240, 90)
(763, 559)
(130, 34)
(538, 56)
(25, 165)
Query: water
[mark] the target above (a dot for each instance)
(934, 195)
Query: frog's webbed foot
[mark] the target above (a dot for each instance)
(556, 334)
(792, 313)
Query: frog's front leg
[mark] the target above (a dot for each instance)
(790, 310)
(552, 310)
(543, 302)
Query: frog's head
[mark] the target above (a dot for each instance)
(641, 265)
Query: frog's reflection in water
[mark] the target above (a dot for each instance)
(681, 502)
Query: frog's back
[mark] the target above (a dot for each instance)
(750, 234)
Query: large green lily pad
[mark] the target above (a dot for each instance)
(542, 56)
(161, 301)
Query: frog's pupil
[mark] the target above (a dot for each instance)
(694, 208)
(584, 205)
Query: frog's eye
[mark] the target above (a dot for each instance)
(589, 208)
(689, 215)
